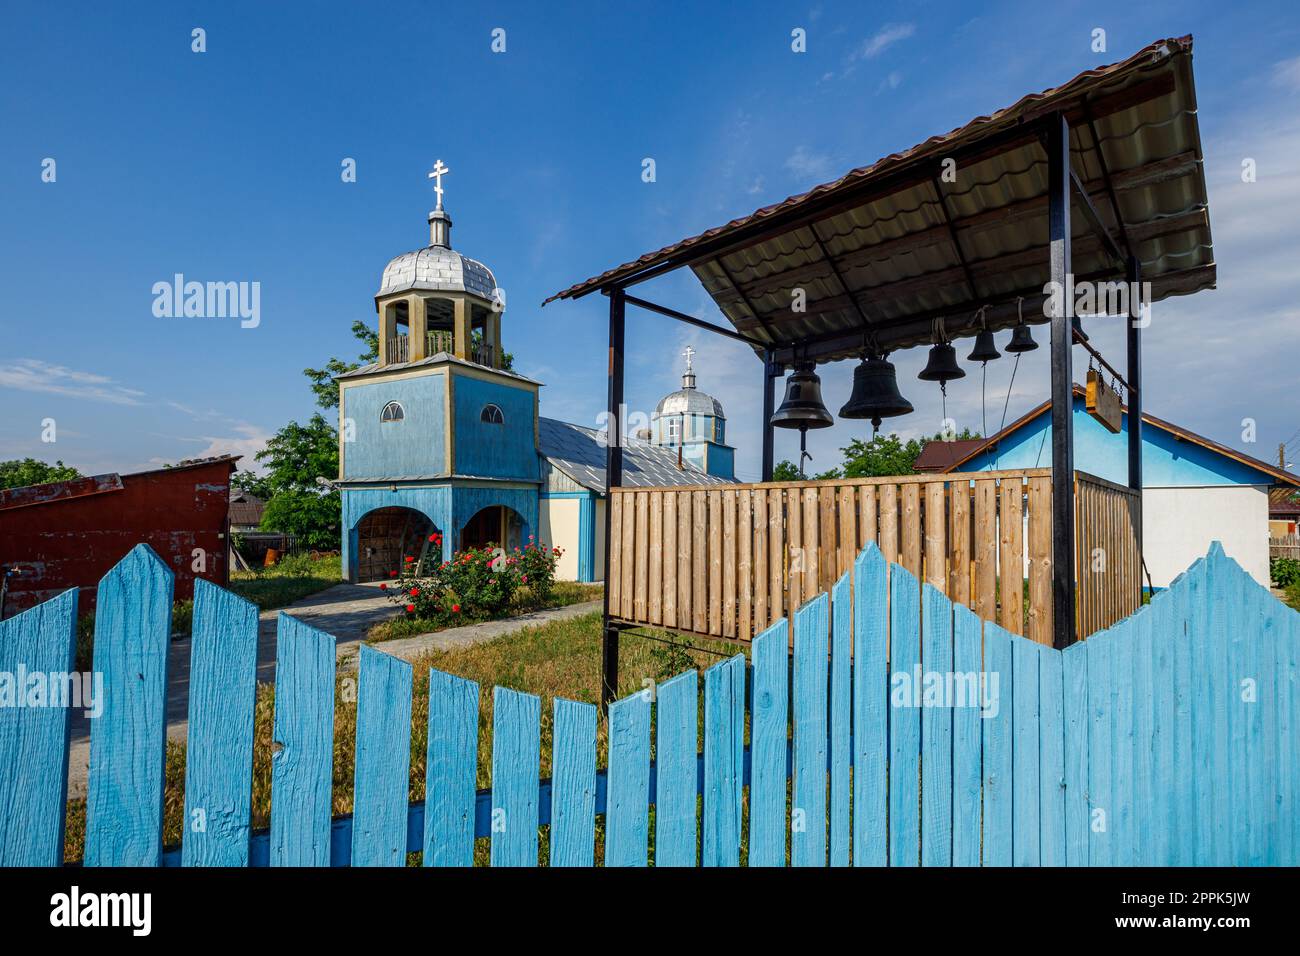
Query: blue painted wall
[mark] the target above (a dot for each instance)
(415, 446)
(1166, 461)
(467, 501)
(494, 451)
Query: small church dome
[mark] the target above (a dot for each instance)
(438, 269)
(688, 400)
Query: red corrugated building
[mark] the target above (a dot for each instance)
(69, 533)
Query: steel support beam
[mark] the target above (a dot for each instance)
(615, 428)
(1058, 193)
(771, 372)
(1134, 352)
(688, 319)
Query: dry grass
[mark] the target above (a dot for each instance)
(292, 579)
(558, 659)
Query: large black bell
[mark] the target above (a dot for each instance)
(803, 406)
(942, 366)
(985, 350)
(1022, 340)
(875, 392)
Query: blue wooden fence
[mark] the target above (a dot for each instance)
(1166, 739)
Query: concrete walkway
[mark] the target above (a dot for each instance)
(347, 611)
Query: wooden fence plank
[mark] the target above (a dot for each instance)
(812, 557)
(1051, 757)
(685, 572)
(935, 519)
(808, 806)
(302, 769)
(841, 717)
(676, 726)
(1216, 623)
(797, 558)
(827, 540)
(670, 559)
(966, 749)
(124, 795)
(700, 594)
(1122, 745)
(761, 574)
(1074, 679)
(626, 817)
(655, 574)
(615, 582)
(1101, 801)
(716, 596)
(219, 755)
(744, 566)
(936, 731)
(870, 706)
(986, 549)
(1039, 625)
(722, 771)
(573, 784)
(641, 559)
(867, 529)
(451, 769)
(1164, 771)
(959, 574)
(1025, 842)
(910, 529)
(34, 740)
(1143, 837)
(381, 793)
(904, 721)
(776, 561)
(1011, 554)
(728, 556)
(768, 741)
(999, 823)
(848, 530)
(516, 756)
(631, 569)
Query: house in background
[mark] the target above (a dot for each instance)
(1195, 490)
(245, 512)
(70, 533)
(1283, 514)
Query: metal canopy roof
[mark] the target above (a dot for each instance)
(892, 246)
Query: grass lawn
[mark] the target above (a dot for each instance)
(286, 582)
(557, 659)
(562, 595)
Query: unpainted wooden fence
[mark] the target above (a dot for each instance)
(912, 735)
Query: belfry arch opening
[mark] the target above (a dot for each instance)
(387, 536)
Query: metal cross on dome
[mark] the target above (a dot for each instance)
(689, 353)
(439, 170)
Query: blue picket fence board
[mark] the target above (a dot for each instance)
(128, 740)
(451, 770)
(383, 760)
(966, 733)
(1074, 681)
(219, 752)
(627, 832)
(1260, 760)
(769, 742)
(1288, 678)
(302, 761)
(1101, 800)
(1051, 756)
(1141, 838)
(1025, 840)
(904, 718)
(1216, 623)
(677, 707)
(997, 744)
(936, 728)
(1187, 717)
(841, 715)
(722, 773)
(739, 695)
(34, 739)
(516, 761)
(808, 805)
(1122, 750)
(870, 707)
(573, 784)
(1163, 769)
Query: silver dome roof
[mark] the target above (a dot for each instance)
(438, 269)
(689, 401)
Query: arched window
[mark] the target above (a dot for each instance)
(392, 412)
(491, 415)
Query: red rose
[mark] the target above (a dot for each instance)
(433, 538)
(415, 592)
(383, 587)
(392, 574)
(455, 609)
(410, 560)
(410, 609)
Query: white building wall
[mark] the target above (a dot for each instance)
(559, 529)
(1178, 525)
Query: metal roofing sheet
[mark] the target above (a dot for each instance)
(580, 453)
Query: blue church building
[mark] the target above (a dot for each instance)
(441, 436)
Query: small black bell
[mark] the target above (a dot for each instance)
(875, 392)
(942, 365)
(1022, 340)
(985, 350)
(803, 407)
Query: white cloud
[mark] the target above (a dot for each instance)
(33, 375)
(1287, 74)
(890, 82)
(886, 37)
(809, 165)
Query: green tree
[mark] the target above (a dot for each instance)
(785, 470)
(296, 503)
(19, 473)
(322, 379)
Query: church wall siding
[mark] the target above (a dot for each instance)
(495, 451)
(415, 446)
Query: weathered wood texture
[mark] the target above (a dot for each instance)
(1106, 554)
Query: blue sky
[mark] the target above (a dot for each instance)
(225, 166)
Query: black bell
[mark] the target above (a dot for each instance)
(803, 406)
(942, 366)
(985, 350)
(875, 392)
(1022, 340)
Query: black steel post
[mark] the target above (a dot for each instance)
(613, 478)
(1134, 350)
(770, 375)
(1058, 197)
